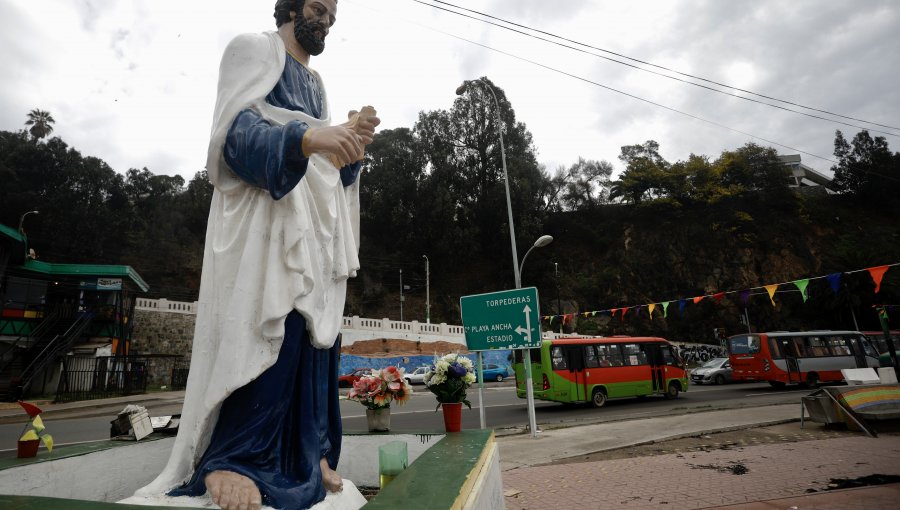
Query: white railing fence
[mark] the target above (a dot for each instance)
(354, 328)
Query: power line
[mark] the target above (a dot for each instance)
(586, 80)
(662, 67)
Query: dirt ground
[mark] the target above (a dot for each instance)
(782, 433)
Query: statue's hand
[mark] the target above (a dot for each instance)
(363, 123)
(342, 143)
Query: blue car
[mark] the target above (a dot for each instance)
(494, 372)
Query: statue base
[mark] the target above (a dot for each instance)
(348, 499)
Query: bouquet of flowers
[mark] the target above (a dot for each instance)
(449, 378)
(378, 390)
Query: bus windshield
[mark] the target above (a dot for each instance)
(743, 344)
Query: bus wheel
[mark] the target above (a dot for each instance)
(499, 378)
(720, 379)
(812, 380)
(598, 398)
(778, 385)
(672, 391)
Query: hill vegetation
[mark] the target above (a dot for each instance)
(659, 232)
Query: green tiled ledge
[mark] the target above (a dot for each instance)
(435, 480)
(74, 450)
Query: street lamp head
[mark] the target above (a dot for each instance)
(543, 241)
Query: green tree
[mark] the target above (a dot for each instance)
(644, 176)
(41, 123)
(753, 168)
(866, 167)
(587, 184)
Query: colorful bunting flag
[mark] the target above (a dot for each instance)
(651, 307)
(681, 303)
(834, 280)
(877, 274)
(718, 296)
(666, 308)
(771, 290)
(698, 299)
(801, 284)
(745, 296)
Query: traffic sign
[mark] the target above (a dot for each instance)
(508, 319)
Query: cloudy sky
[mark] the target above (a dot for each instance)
(133, 81)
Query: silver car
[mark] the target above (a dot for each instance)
(417, 376)
(716, 371)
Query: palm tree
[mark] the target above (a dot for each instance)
(41, 123)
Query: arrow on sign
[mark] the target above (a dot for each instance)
(522, 331)
(527, 311)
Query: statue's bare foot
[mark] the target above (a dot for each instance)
(232, 491)
(330, 479)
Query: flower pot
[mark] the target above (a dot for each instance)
(379, 419)
(452, 416)
(28, 448)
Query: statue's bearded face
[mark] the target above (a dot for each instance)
(312, 25)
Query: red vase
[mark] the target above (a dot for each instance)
(28, 448)
(452, 416)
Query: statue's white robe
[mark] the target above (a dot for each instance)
(263, 258)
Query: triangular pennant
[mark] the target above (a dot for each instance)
(681, 304)
(877, 274)
(718, 296)
(771, 290)
(744, 295)
(594, 313)
(834, 280)
(38, 424)
(624, 311)
(666, 308)
(801, 284)
(651, 307)
(48, 442)
(31, 409)
(637, 311)
(698, 299)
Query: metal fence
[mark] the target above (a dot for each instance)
(87, 378)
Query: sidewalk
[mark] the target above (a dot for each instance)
(11, 412)
(748, 477)
(781, 475)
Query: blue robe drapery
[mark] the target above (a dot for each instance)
(275, 429)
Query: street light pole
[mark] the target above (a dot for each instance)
(22, 221)
(540, 243)
(427, 291)
(401, 295)
(529, 390)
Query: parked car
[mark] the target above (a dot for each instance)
(494, 372)
(716, 371)
(417, 376)
(346, 381)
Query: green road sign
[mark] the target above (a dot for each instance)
(508, 319)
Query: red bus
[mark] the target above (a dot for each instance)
(808, 357)
(575, 370)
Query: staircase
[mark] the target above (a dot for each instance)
(53, 337)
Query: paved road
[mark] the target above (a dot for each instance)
(503, 410)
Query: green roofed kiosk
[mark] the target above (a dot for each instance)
(48, 310)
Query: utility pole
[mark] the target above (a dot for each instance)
(558, 302)
(401, 295)
(427, 292)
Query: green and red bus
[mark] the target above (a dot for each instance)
(807, 357)
(578, 370)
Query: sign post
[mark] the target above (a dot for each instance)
(503, 320)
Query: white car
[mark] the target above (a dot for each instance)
(417, 376)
